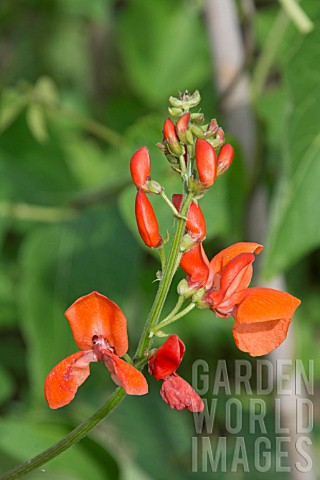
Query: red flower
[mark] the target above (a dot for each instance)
(175, 391)
(206, 160)
(262, 315)
(147, 221)
(195, 224)
(140, 167)
(99, 328)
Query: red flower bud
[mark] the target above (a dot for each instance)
(225, 158)
(147, 222)
(182, 126)
(206, 161)
(170, 135)
(196, 224)
(140, 167)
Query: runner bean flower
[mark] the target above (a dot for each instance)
(262, 315)
(99, 328)
(175, 391)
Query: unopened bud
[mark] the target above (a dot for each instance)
(225, 158)
(189, 137)
(197, 118)
(140, 167)
(197, 131)
(147, 221)
(212, 128)
(198, 299)
(175, 102)
(175, 112)
(206, 161)
(182, 126)
(171, 137)
(194, 99)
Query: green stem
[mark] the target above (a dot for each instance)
(101, 131)
(176, 308)
(171, 206)
(268, 54)
(68, 441)
(34, 213)
(163, 259)
(172, 264)
(84, 428)
(173, 318)
(297, 15)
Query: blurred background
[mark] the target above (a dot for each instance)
(83, 85)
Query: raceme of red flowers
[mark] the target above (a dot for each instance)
(99, 328)
(262, 315)
(175, 390)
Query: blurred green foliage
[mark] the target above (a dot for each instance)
(84, 84)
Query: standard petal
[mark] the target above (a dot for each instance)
(260, 338)
(220, 260)
(63, 381)
(167, 358)
(179, 394)
(96, 315)
(265, 304)
(195, 263)
(125, 375)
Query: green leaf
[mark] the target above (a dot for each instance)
(294, 229)
(159, 42)
(36, 122)
(22, 439)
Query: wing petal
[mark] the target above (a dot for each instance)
(125, 375)
(63, 381)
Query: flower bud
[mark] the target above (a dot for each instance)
(225, 158)
(140, 167)
(197, 131)
(147, 222)
(175, 112)
(195, 224)
(171, 137)
(206, 161)
(197, 118)
(182, 126)
(212, 128)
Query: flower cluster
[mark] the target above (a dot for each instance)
(198, 154)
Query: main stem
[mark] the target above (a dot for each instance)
(145, 340)
(144, 344)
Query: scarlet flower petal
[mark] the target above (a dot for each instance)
(262, 337)
(265, 304)
(95, 315)
(140, 167)
(63, 381)
(196, 224)
(225, 158)
(125, 375)
(147, 221)
(237, 274)
(167, 358)
(179, 394)
(220, 260)
(196, 264)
